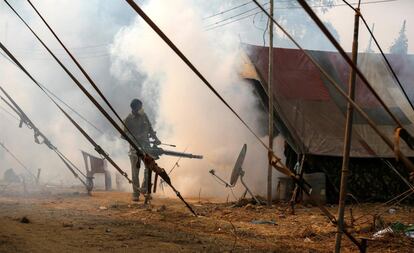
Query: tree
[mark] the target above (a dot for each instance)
(400, 45)
(369, 48)
(295, 20)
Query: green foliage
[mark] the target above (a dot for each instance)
(400, 45)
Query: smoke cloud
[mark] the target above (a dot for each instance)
(188, 114)
(127, 60)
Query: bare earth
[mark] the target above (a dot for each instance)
(110, 222)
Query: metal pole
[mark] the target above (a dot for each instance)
(347, 138)
(270, 94)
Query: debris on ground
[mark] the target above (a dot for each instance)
(307, 240)
(270, 222)
(25, 220)
(162, 208)
(67, 225)
(229, 229)
(396, 228)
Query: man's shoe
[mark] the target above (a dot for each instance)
(135, 199)
(148, 198)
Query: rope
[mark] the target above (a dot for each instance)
(387, 205)
(15, 158)
(25, 119)
(337, 87)
(71, 169)
(148, 160)
(96, 146)
(345, 56)
(382, 53)
(75, 61)
(11, 107)
(160, 33)
(72, 109)
(9, 113)
(80, 86)
(70, 162)
(176, 163)
(59, 99)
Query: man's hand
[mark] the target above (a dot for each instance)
(157, 141)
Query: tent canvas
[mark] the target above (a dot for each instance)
(312, 113)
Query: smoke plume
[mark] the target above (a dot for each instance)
(188, 113)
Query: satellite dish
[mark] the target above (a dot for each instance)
(238, 166)
(236, 173)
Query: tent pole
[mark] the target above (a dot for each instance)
(270, 94)
(348, 136)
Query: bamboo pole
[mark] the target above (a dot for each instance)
(348, 137)
(270, 94)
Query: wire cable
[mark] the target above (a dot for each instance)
(127, 137)
(407, 162)
(230, 22)
(225, 11)
(191, 66)
(18, 161)
(148, 160)
(223, 20)
(7, 58)
(209, 27)
(9, 113)
(346, 57)
(71, 163)
(75, 61)
(382, 53)
(71, 108)
(25, 119)
(96, 146)
(135, 144)
(399, 174)
(60, 100)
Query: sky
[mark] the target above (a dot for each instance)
(127, 60)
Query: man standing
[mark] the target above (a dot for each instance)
(139, 130)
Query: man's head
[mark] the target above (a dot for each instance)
(136, 105)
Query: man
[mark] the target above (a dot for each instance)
(139, 130)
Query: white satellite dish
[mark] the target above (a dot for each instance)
(236, 173)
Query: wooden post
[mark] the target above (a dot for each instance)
(348, 136)
(270, 94)
(38, 176)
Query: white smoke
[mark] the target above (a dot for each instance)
(85, 18)
(142, 66)
(189, 115)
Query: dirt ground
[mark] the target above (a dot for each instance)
(109, 222)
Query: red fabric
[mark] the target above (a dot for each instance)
(294, 75)
(314, 112)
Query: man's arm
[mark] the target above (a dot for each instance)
(152, 133)
(125, 127)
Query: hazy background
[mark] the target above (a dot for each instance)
(127, 60)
